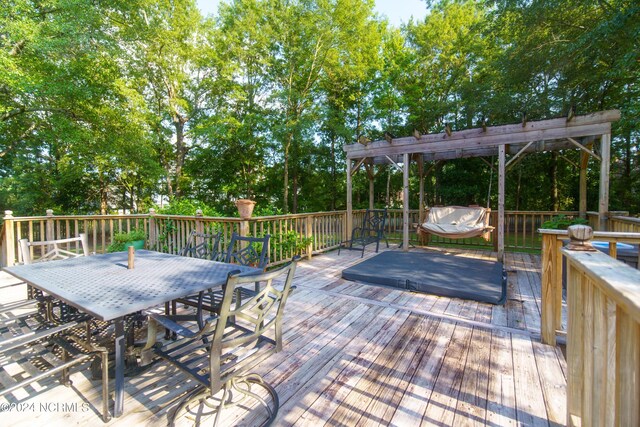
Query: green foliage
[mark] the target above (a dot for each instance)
(188, 207)
(290, 242)
(107, 105)
(562, 222)
(266, 210)
(119, 239)
(167, 232)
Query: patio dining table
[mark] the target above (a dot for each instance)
(103, 287)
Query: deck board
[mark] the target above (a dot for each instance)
(356, 354)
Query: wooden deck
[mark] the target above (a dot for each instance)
(365, 355)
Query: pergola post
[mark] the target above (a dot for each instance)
(584, 162)
(421, 198)
(605, 163)
(370, 175)
(349, 219)
(405, 202)
(501, 188)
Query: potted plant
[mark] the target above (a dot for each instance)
(121, 241)
(562, 222)
(245, 207)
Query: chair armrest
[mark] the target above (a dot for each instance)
(171, 324)
(33, 336)
(359, 230)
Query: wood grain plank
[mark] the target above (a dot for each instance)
(318, 406)
(442, 403)
(530, 406)
(501, 397)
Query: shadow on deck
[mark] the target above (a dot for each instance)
(356, 354)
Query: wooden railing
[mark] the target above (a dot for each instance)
(304, 234)
(552, 275)
(603, 340)
(624, 224)
(301, 234)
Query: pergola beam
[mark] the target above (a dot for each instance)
(583, 148)
(511, 149)
(513, 159)
(477, 141)
(357, 166)
(512, 165)
(397, 166)
(488, 163)
(588, 125)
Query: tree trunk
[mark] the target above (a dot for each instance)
(285, 176)
(181, 152)
(334, 178)
(294, 189)
(437, 199)
(388, 198)
(169, 183)
(518, 189)
(554, 181)
(103, 197)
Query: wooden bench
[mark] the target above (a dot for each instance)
(457, 222)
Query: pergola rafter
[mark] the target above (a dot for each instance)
(576, 132)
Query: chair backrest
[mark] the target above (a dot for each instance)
(247, 251)
(253, 320)
(374, 220)
(51, 250)
(203, 246)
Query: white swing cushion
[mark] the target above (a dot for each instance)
(456, 222)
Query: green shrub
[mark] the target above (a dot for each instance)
(188, 207)
(290, 242)
(119, 239)
(562, 222)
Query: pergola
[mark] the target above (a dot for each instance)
(589, 133)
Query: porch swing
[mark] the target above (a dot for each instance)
(459, 222)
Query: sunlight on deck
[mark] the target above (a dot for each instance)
(365, 355)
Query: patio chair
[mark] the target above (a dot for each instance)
(371, 231)
(203, 246)
(51, 250)
(31, 350)
(199, 245)
(222, 367)
(248, 251)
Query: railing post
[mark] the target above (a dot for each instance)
(50, 230)
(9, 238)
(244, 228)
(579, 335)
(551, 309)
(199, 223)
(308, 234)
(153, 236)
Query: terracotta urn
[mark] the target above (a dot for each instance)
(245, 207)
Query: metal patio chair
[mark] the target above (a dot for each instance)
(203, 246)
(199, 245)
(31, 350)
(52, 309)
(371, 231)
(247, 251)
(220, 354)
